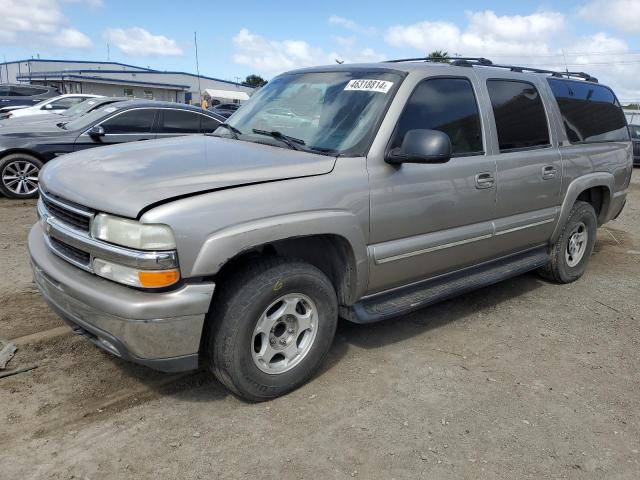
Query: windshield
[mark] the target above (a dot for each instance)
(88, 120)
(80, 108)
(334, 112)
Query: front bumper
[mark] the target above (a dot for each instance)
(159, 329)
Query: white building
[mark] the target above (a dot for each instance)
(119, 79)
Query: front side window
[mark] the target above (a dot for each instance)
(132, 121)
(180, 122)
(334, 112)
(519, 114)
(208, 124)
(444, 104)
(634, 130)
(590, 113)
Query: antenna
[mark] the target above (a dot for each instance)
(566, 68)
(108, 53)
(195, 41)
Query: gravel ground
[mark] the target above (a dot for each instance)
(524, 379)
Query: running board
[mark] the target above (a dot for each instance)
(406, 299)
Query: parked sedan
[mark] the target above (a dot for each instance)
(634, 130)
(17, 96)
(225, 109)
(24, 151)
(49, 106)
(61, 116)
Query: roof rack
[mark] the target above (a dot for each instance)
(485, 62)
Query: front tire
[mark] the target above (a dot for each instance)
(270, 327)
(19, 176)
(571, 252)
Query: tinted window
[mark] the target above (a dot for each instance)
(209, 124)
(26, 91)
(519, 114)
(132, 121)
(448, 105)
(634, 130)
(66, 102)
(590, 113)
(180, 121)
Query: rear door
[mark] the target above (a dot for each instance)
(529, 167)
(175, 122)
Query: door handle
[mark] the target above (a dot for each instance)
(484, 180)
(549, 172)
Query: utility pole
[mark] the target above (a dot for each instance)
(195, 41)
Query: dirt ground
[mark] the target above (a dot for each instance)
(524, 379)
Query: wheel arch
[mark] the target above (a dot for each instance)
(595, 189)
(329, 240)
(25, 151)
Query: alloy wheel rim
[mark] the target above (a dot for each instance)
(285, 333)
(576, 245)
(21, 177)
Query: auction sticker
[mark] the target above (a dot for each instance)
(366, 85)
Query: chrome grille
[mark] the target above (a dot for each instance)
(72, 254)
(76, 217)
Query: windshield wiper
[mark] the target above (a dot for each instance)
(234, 131)
(292, 142)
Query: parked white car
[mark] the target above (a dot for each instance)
(50, 105)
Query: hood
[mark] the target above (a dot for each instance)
(124, 179)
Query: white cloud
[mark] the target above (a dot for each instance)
(621, 14)
(89, 3)
(139, 42)
(336, 20)
(39, 22)
(484, 34)
(275, 56)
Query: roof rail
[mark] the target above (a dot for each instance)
(485, 62)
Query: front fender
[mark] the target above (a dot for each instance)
(227, 243)
(579, 185)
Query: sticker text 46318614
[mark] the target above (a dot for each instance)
(366, 85)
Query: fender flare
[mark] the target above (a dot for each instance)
(576, 187)
(225, 244)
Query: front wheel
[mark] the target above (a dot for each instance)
(570, 254)
(270, 328)
(19, 176)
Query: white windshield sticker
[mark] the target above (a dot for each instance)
(366, 85)
(110, 109)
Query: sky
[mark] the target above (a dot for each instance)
(235, 39)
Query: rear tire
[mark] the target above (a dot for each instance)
(19, 176)
(571, 252)
(270, 327)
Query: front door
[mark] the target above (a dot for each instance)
(129, 126)
(427, 219)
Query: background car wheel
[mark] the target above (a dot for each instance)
(571, 252)
(19, 176)
(270, 327)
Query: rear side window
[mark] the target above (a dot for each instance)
(519, 114)
(131, 121)
(27, 91)
(209, 124)
(444, 104)
(180, 121)
(590, 113)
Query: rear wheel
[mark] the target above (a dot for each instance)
(270, 328)
(19, 175)
(570, 254)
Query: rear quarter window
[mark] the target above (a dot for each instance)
(590, 113)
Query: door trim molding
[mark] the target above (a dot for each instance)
(432, 249)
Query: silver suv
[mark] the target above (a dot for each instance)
(353, 191)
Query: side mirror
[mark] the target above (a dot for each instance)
(48, 106)
(422, 146)
(96, 131)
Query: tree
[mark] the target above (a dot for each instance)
(255, 81)
(438, 56)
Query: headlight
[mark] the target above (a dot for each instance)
(132, 234)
